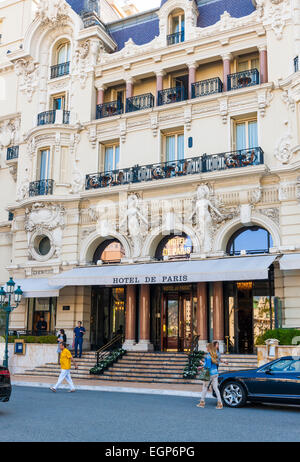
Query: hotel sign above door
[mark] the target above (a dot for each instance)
(223, 269)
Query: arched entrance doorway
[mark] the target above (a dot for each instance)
(108, 303)
(249, 305)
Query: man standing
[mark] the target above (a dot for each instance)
(41, 326)
(65, 364)
(79, 332)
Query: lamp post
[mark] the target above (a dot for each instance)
(6, 305)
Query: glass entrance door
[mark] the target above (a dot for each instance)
(177, 319)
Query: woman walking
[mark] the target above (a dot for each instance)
(61, 338)
(210, 365)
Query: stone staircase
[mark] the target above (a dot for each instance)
(143, 368)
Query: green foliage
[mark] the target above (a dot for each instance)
(191, 369)
(112, 358)
(43, 339)
(285, 336)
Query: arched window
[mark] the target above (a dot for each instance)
(250, 240)
(176, 27)
(61, 59)
(174, 247)
(109, 251)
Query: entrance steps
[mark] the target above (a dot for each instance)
(143, 368)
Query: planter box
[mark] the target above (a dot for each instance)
(35, 355)
(264, 357)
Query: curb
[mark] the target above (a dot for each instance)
(144, 391)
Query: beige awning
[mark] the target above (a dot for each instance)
(290, 261)
(179, 272)
(38, 287)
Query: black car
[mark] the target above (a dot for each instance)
(275, 382)
(5, 386)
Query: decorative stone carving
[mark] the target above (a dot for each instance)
(272, 213)
(123, 130)
(298, 189)
(264, 98)
(53, 13)
(188, 117)
(10, 132)
(283, 151)
(246, 214)
(31, 147)
(78, 181)
(289, 100)
(154, 123)
(45, 216)
(44, 220)
(224, 110)
(256, 195)
(276, 15)
(93, 135)
(27, 71)
(81, 62)
(134, 220)
(204, 221)
(13, 170)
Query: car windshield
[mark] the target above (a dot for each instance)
(286, 365)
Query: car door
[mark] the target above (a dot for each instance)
(279, 380)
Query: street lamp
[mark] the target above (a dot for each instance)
(7, 304)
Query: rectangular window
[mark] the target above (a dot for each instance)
(174, 147)
(58, 102)
(246, 136)
(44, 165)
(112, 157)
(245, 64)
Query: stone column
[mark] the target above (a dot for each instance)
(100, 95)
(226, 69)
(159, 83)
(263, 64)
(144, 302)
(129, 88)
(202, 314)
(192, 77)
(130, 318)
(218, 313)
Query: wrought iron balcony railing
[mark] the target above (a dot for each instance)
(49, 117)
(171, 95)
(12, 153)
(178, 37)
(296, 64)
(60, 69)
(202, 164)
(41, 188)
(10, 216)
(46, 118)
(207, 87)
(109, 109)
(140, 102)
(242, 79)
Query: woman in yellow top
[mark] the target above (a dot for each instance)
(65, 364)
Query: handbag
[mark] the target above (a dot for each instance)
(204, 375)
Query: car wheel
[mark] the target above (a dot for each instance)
(233, 395)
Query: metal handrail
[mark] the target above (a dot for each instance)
(104, 348)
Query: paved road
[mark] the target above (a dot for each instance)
(37, 414)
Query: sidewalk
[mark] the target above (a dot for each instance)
(120, 387)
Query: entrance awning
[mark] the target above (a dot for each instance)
(290, 261)
(39, 287)
(179, 272)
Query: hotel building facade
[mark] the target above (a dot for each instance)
(150, 169)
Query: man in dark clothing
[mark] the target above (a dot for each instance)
(79, 332)
(41, 326)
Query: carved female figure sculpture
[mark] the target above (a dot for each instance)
(203, 210)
